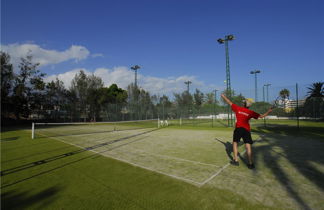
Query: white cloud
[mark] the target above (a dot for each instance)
(122, 76)
(44, 56)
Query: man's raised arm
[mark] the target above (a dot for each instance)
(227, 100)
(265, 114)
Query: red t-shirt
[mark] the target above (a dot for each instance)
(243, 115)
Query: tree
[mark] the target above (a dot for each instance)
(316, 90)
(164, 106)
(116, 94)
(210, 98)
(229, 94)
(56, 97)
(314, 104)
(94, 84)
(184, 102)
(133, 93)
(284, 94)
(86, 90)
(28, 88)
(7, 79)
(72, 106)
(238, 99)
(78, 90)
(199, 98)
(145, 104)
(112, 101)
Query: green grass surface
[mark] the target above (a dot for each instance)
(180, 167)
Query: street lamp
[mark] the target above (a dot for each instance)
(135, 68)
(228, 76)
(267, 85)
(215, 94)
(256, 86)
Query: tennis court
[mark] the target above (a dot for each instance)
(191, 156)
(288, 175)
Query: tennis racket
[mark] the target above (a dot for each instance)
(276, 103)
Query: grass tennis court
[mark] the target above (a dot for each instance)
(178, 167)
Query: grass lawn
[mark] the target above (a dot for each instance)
(180, 167)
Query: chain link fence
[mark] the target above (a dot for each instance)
(296, 103)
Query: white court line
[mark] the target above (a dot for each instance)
(134, 164)
(214, 175)
(218, 172)
(224, 167)
(157, 171)
(176, 158)
(199, 184)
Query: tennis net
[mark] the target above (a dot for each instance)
(69, 129)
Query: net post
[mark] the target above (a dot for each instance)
(158, 122)
(33, 130)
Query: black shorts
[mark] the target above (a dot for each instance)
(242, 133)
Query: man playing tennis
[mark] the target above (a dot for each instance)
(242, 128)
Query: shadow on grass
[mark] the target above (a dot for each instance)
(57, 157)
(23, 200)
(306, 131)
(10, 138)
(36, 154)
(300, 148)
(228, 148)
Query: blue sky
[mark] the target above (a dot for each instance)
(172, 41)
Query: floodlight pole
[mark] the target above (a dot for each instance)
(256, 85)
(228, 76)
(135, 68)
(188, 83)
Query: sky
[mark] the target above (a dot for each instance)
(173, 41)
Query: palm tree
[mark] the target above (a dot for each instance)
(315, 99)
(316, 90)
(284, 94)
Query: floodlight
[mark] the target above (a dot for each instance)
(230, 37)
(135, 67)
(220, 41)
